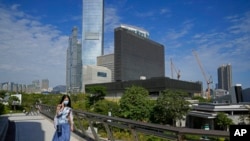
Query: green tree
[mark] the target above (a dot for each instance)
(95, 93)
(170, 107)
(2, 93)
(104, 107)
(135, 105)
(248, 115)
(242, 118)
(201, 99)
(79, 101)
(223, 121)
(2, 109)
(12, 101)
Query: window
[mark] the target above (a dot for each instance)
(101, 74)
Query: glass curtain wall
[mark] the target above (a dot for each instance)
(92, 31)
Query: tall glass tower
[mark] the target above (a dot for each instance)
(74, 64)
(92, 31)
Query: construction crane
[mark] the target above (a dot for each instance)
(208, 81)
(178, 73)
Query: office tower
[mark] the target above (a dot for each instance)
(136, 56)
(225, 77)
(15, 87)
(108, 62)
(74, 64)
(5, 86)
(236, 93)
(20, 88)
(36, 83)
(246, 95)
(92, 31)
(36, 86)
(45, 84)
(139, 31)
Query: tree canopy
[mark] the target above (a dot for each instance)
(223, 121)
(135, 104)
(170, 107)
(104, 107)
(95, 93)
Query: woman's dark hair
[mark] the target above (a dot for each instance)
(63, 97)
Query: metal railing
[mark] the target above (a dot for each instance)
(135, 127)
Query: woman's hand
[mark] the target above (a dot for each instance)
(62, 104)
(72, 128)
(59, 107)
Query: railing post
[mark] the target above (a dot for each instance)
(180, 137)
(109, 132)
(133, 132)
(80, 125)
(93, 130)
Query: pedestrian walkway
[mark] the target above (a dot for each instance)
(35, 128)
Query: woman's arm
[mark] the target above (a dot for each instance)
(71, 121)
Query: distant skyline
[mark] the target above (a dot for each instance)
(34, 36)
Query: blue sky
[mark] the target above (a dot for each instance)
(34, 35)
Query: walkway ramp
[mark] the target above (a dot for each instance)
(35, 128)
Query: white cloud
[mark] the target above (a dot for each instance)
(214, 48)
(164, 10)
(153, 13)
(173, 34)
(111, 21)
(241, 24)
(28, 46)
(145, 14)
(15, 6)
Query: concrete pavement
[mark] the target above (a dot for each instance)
(35, 128)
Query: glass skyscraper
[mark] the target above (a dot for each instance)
(92, 31)
(74, 64)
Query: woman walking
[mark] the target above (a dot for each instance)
(63, 120)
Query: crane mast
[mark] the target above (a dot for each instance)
(174, 69)
(208, 81)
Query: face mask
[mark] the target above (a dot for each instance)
(65, 102)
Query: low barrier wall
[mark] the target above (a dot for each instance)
(4, 124)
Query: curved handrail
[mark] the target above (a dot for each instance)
(158, 130)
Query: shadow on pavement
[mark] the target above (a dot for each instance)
(29, 131)
(10, 135)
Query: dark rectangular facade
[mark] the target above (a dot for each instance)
(137, 56)
(236, 93)
(154, 86)
(225, 77)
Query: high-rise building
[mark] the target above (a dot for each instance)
(74, 64)
(45, 84)
(36, 86)
(92, 31)
(108, 62)
(139, 31)
(236, 93)
(136, 56)
(225, 77)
